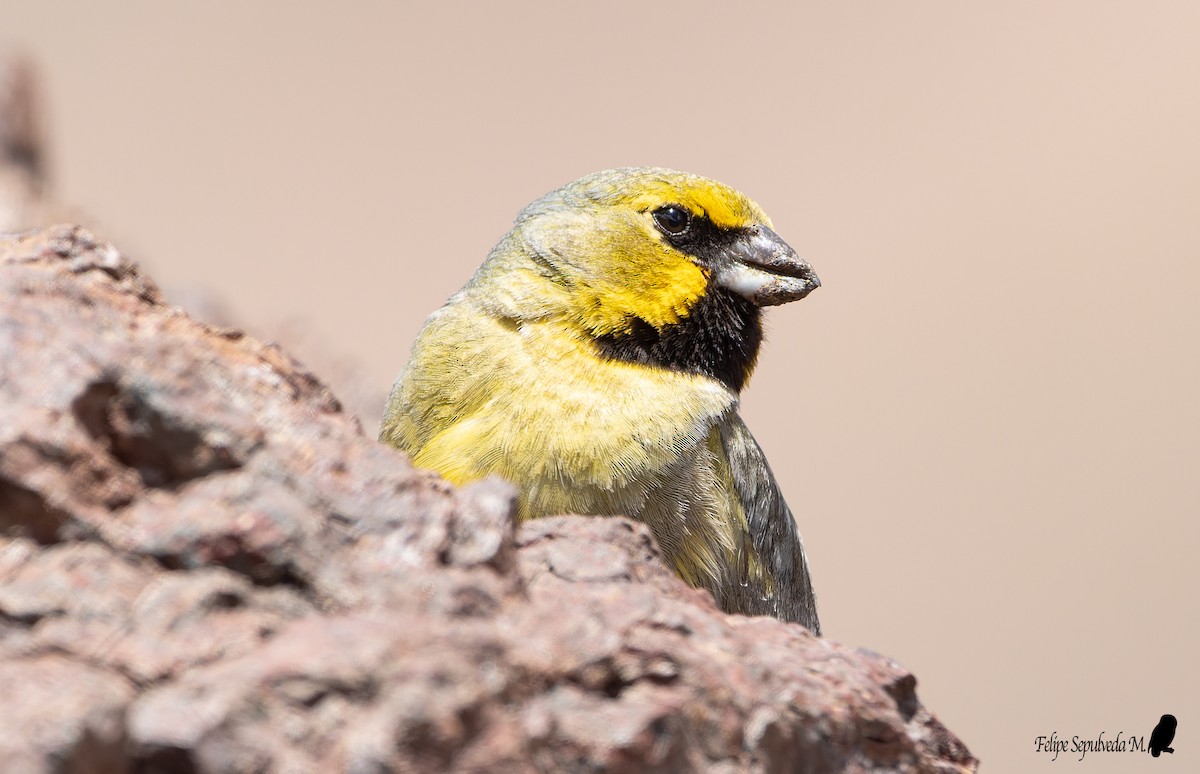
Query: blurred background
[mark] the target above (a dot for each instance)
(985, 420)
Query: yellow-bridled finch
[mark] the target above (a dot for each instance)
(595, 361)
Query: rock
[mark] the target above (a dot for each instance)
(206, 565)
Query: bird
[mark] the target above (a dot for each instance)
(596, 360)
(1162, 736)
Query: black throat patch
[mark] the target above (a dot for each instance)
(719, 339)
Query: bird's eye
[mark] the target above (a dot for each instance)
(672, 219)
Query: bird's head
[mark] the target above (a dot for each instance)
(645, 246)
(655, 266)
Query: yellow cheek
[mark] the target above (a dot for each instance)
(658, 295)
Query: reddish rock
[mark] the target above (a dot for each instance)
(206, 565)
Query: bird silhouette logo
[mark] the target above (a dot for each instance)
(1163, 734)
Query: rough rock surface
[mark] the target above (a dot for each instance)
(27, 201)
(205, 565)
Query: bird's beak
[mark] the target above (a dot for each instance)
(762, 268)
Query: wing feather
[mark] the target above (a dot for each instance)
(773, 532)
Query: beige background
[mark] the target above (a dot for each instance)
(986, 420)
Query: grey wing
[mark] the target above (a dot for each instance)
(773, 531)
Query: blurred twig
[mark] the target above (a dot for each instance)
(23, 186)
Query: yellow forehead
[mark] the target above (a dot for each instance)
(724, 206)
(647, 188)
